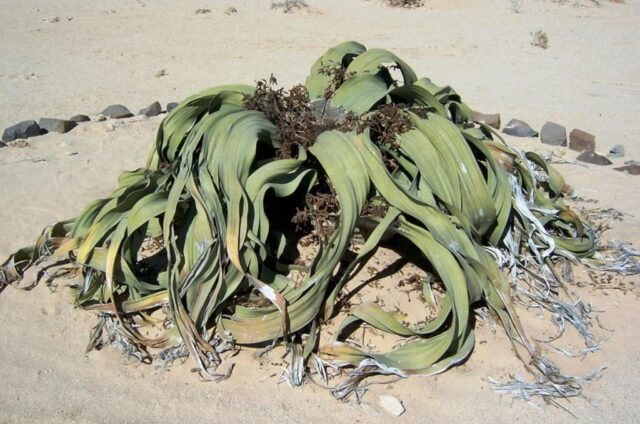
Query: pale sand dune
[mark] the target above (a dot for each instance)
(588, 78)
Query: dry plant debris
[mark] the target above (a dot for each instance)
(540, 39)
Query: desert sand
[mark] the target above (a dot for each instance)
(110, 52)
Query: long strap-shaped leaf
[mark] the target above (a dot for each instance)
(344, 168)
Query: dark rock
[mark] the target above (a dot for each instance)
(633, 169)
(117, 112)
(582, 141)
(24, 129)
(80, 118)
(593, 158)
(56, 125)
(152, 110)
(616, 151)
(171, 106)
(202, 11)
(491, 119)
(553, 134)
(518, 128)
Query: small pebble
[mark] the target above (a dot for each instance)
(553, 134)
(153, 109)
(171, 106)
(518, 128)
(80, 118)
(392, 405)
(56, 125)
(582, 141)
(593, 158)
(117, 112)
(632, 168)
(490, 119)
(616, 151)
(24, 129)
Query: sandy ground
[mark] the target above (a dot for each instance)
(109, 53)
